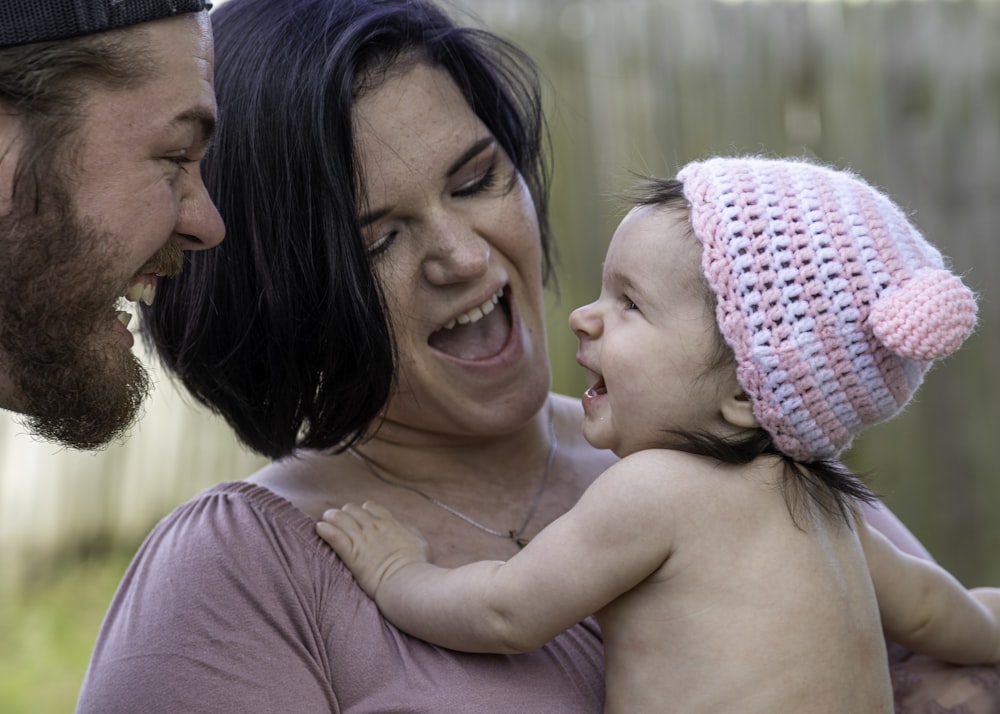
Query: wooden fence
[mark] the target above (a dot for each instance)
(906, 93)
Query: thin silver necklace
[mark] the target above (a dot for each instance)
(514, 535)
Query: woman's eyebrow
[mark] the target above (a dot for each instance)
(469, 153)
(366, 218)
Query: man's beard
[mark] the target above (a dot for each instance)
(74, 381)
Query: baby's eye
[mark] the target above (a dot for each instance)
(629, 305)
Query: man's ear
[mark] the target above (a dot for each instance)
(10, 141)
(738, 411)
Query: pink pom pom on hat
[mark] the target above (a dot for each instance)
(833, 303)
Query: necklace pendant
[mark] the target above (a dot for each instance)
(521, 542)
(513, 535)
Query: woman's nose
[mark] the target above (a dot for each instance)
(458, 254)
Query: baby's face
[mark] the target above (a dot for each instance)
(649, 343)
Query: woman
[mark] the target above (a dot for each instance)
(374, 322)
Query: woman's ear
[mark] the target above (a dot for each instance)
(737, 410)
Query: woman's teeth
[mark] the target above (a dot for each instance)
(141, 292)
(477, 313)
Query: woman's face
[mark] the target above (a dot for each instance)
(455, 239)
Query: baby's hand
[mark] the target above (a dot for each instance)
(371, 542)
(990, 599)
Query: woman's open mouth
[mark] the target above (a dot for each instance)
(480, 333)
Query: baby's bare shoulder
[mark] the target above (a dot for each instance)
(676, 471)
(689, 490)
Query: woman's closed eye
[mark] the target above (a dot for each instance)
(480, 184)
(381, 244)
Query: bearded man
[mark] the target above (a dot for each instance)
(106, 109)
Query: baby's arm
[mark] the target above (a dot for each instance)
(926, 609)
(610, 541)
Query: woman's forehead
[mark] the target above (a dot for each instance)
(414, 125)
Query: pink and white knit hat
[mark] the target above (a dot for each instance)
(833, 303)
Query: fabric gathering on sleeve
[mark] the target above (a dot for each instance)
(234, 604)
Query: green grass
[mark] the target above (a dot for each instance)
(48, 631)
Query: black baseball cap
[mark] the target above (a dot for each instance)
(26, 21)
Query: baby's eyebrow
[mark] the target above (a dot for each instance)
(617, 277)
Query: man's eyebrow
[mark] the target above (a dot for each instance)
(469, 153)
(203, 118)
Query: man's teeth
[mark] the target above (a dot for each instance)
(477, 313)
(124, 317)
(141, 292)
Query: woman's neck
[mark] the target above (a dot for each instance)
(495, 482)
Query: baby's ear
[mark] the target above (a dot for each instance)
(738, 411)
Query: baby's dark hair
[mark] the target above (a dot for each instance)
(826, 483)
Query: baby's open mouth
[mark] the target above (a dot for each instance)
(597, 389)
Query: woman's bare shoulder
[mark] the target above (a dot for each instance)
(305, 480)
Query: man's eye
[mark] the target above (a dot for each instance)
(181, 161)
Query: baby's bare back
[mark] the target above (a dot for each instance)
(749, 613)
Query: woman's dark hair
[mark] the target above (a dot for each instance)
(281, 329)
(829, 484)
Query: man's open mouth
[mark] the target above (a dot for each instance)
(142, 290)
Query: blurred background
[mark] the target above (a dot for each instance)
(904, 92)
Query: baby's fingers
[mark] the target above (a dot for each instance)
(337, 530)
(343, 529)
(375, 511)
(353, 528)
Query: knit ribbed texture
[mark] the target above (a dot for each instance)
(26, 21)
(833, 303)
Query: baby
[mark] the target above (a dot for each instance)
(754, 316)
